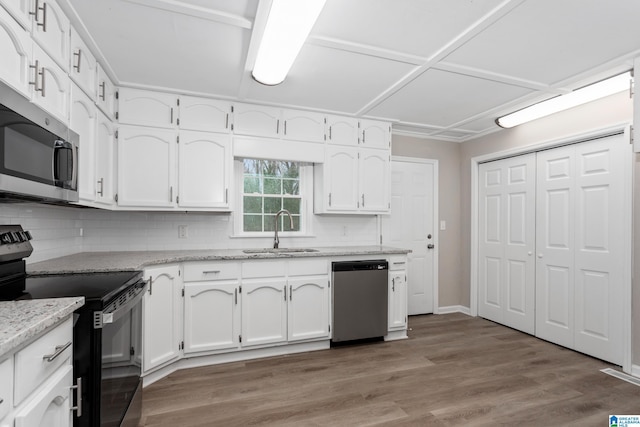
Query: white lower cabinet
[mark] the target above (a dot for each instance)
(37, 385)
(308, 311)
(211, 316)
(264, 311)
(397, 316)
(162, 317)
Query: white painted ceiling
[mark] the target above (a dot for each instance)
(443, 69)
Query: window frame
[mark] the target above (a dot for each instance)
(306, 202)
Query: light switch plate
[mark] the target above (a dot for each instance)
(443, 225)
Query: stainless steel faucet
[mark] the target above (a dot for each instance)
(276, 240)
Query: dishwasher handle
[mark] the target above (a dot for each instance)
(377, 264)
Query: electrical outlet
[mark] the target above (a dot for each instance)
(182, 232)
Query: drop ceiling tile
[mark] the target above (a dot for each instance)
(441, 98)
(335, 80)
(549, 40)
(414, 27)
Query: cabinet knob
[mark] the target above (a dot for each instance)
(431, 246)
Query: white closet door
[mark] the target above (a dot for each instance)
(507, 241)
(580, 247)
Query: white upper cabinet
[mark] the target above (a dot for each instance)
(256, 120)
(340, 179)
(342, 130)
(375, 134)
(104, 165)
(50, 88)
(303, 126)
(106, 94)
(51, 31)
(146, 167)
(83, 66)
(204, 169)
(82, 120)
(20, 10)
(15, 50)
(204, 114)
(375, 175)
(147, 108)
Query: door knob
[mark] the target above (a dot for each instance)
(430, 246)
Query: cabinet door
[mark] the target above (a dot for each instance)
(162, 317)
(49, 406)
(19, 9)
(146, 167)
(104, 172)
(342, 130)
(211, 316)
(303, 126)
(375, 134)
(83, 66)
(147, 108)
(6, 387)
(308, 315)
(106, 94)
(255, 120)
(341, 179)
(204, 114)
(204, 169)
(51, 87)
(264, 312)
(15, 51)
(374, 181)
(82, 120)
(51, 31)
(397, 300)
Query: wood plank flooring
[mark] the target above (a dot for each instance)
(453, 370)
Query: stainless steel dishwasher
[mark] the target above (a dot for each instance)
(360, 295)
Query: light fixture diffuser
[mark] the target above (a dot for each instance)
(563, 102)
(288, 26)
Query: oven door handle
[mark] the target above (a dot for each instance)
(105, 318)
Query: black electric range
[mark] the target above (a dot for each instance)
(107, 351)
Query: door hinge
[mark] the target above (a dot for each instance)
(178, 199)
(232, 108)
(240, 291)
(329, 328)
(381, 239)
(240, 338)
(117, 94)
(116, 134)
(178, 102)
(630, 134)
(178, 121)
(178, 139)
(183, 292)
(232, 127)
(405, 277)
(116, 197)
(329, 283)
(117, 115)
(132, 351)
(181, 345)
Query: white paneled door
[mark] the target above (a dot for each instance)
(551, 251)
(412, 225)
(506, 276)
(580, 247)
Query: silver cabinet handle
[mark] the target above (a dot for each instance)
(278, 126)
(35, 76)
(44, 18)
(393, 284)
(150, 285)
(329, 133)
(42, 75)
(35, 11)
(226, 122)
(171, 114)
(363, 200)
(235, 295)
(78, 54)
(364, 132)
(78, 388)
(285, 127)
(103, 91)
(101, 191)
(285, 293)
(58, 352)
(211, 272)
(171, 193)
(329, 199)
(226, 195)
(290, 292)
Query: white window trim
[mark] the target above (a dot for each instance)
(306, 210)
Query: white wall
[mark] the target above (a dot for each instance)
(57, 230)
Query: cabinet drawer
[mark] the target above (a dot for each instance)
(306, 267)
(257, 269)
(37, 361)
(204, 271)
(6, 386)
(397, 262)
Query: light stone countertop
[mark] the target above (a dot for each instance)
(23, 320)
(96, 262)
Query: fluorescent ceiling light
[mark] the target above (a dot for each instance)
(563, 102)
(288, 25)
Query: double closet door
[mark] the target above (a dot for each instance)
(551, 245)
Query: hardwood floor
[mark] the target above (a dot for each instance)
(453, 370)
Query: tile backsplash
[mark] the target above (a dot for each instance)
(62, 230)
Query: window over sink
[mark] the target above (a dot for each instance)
(268, 186)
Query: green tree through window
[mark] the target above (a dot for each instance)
(268, 186)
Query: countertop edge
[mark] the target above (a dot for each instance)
(52, 311)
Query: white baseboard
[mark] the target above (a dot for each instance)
(454, 309)
(635, 370)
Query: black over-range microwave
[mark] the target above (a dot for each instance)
(38, 153)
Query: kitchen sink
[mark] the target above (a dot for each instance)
(279, 250)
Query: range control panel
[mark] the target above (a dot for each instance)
(14, 243)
